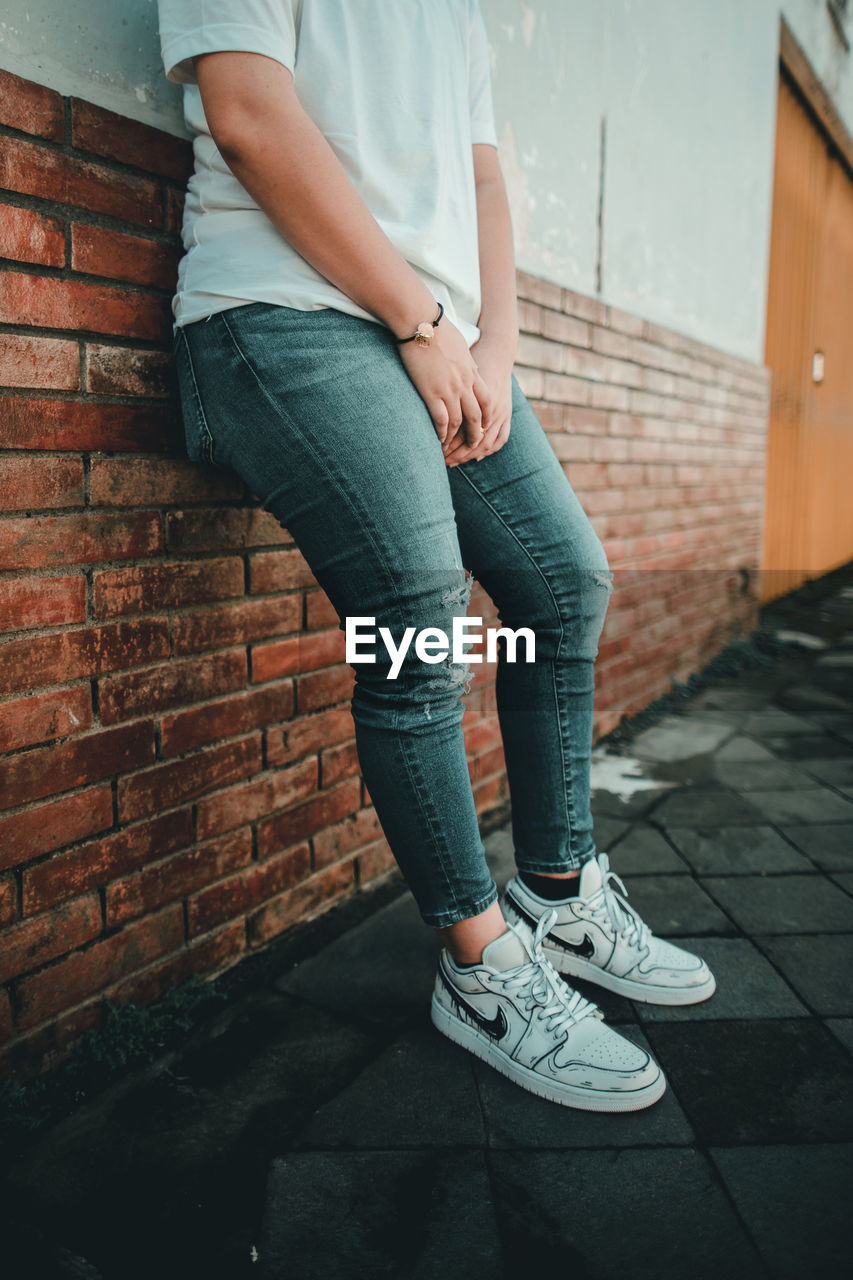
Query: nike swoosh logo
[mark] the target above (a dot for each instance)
(495, 1027)
(585, 949)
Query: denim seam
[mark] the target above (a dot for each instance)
(447, 918)
(559, 649)
(208, 450)
(429, 817)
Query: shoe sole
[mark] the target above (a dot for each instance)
(643, 992)
(568, 1096)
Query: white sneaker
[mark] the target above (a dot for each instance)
(516, 1013)
(599, 937)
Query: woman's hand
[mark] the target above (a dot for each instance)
(495, 370)
(449, 384)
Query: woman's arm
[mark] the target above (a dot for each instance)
(279, 155)
(494, 353)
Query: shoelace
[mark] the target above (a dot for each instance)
(538, 982)
(622, 917)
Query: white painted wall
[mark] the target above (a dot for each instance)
(687, 93)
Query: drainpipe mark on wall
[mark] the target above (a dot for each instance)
(599, 223)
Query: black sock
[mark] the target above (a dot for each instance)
(553, 888)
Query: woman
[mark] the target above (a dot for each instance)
(345, 335)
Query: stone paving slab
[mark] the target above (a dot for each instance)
(835, 773)
(428, 1099)
(808, 746)
(829, 845)
(773, 720)
(813, 805)
(736, 850)
(842, 1029)
(761, 775)
(818, 967)
(679, 738)
(783, 904)
(759, 1081)
(602, 1215)
(743, 748)
(747, 986)
(690, 808)
(795, 1202)
(517, 1119)
(416, 1215)
(644, 851)
(676, 906)
(382, 971)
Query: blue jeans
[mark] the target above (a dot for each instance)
(315, 412)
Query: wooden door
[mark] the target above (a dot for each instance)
(808, 525)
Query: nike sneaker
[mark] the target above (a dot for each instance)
(599, 937)
(515, 1012)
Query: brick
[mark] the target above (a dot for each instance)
(39, 362)
(39, 483)
(35, 423)
(279, 571)
(122, 371)
(578, 304)
(48, 303)
(33, 942)
(336, 841)
(32, 108)
(175, 200)
(172, 879)
(144, 588)
(206, 955)
(97, 862)
(568, 329)
(81, 974)
(33, 170)
(82, 538)
(297, 653)
(43, 716)
(132, 259)
(45, 771)
(141, 482)
(319, 611)
(239, 893)
(175, 683)
(235, 623)
(27, 236)
(337, 763)
(303, 902)
(60, 657)
(227, 718)
(219, 529)
(323, 688)
(534, 289)
(566, 390)
(41, 1050)
(281, 830)
(178, 781)
(256, 799)
(374, 861)
(118, 138)
(45, 827)
(309, 733)
(8, 901)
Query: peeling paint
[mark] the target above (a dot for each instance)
(528, 23)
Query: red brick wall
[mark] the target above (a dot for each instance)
(179, 782)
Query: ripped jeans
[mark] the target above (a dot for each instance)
(315, 412)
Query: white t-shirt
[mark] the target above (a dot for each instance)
(401, 90)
